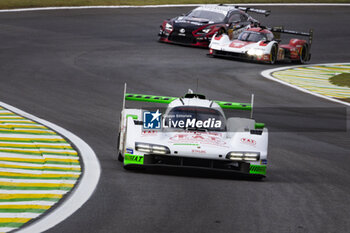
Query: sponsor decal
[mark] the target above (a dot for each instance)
(248, 141)
(263, 162)
(199, 151)
(191, 123)
(133, 159)
(257, 169)
(129, 151)
(238, 44)
(149, 132)
(182, 32)
(152, 120)
(195, 137)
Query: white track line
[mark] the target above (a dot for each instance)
(267, 74)
(167, 6)
(50, 203)
(85, 187)
(4, 191)
(38, 181)
(19, 215)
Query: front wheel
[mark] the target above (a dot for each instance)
(119, 154)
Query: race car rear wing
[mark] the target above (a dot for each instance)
(168, 99)
(278, 30)
(255, 10)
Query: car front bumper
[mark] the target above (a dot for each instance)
(152, 160)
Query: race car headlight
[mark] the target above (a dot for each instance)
(243, 156)
(255, 52)
(151, 148)
(168, 27)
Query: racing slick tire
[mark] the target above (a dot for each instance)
(303, 54)
(119, 154)
(273, 54)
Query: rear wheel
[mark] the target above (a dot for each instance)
(273, 54)
(303, 54)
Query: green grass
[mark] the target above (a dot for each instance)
(10, 4)
(342, 80)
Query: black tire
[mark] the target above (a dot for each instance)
(120, 158)
(119, 154)
(303, 54)
(273, 54)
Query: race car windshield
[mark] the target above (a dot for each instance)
(251, 36)
(195, 118)
(215, 17)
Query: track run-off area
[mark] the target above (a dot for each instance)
(37, 168)
(69, 67)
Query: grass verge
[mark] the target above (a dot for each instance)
(342, 80)
(10, 4)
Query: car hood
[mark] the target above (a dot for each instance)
(240, 44)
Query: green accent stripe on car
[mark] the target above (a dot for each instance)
(259, 125)
(168, 99)
(134, 117)
(257, 169)
(233, 105)
(133, 159)
(149, 98)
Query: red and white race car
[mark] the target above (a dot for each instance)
(262, 44)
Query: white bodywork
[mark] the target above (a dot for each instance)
(224, 43)
(195, 144)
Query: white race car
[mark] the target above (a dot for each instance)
(193, 132)
(262, 44)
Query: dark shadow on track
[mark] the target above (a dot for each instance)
(197, 173)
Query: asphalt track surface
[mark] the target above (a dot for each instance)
(69, 67)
